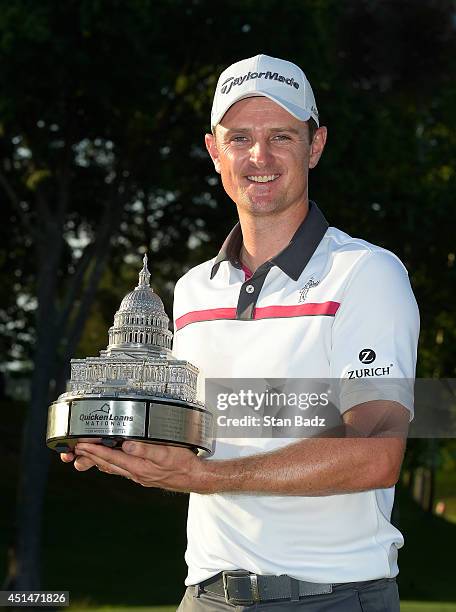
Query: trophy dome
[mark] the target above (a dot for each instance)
(142, 298)
(141, 323)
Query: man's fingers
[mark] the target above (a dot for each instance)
(103, 465)
(84, 460)
(153, 452)
(109, 456)
(67, 457)
(80, 463)
(83, 464)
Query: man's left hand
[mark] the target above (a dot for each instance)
(150, 465)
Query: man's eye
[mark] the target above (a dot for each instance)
(239, 139)
(281, 137)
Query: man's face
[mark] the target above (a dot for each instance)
(263, 155)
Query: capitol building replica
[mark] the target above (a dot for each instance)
(137, 360)
(135, 389)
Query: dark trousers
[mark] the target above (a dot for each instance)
(372, 596)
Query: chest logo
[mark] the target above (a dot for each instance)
(311, 283)
(367, 356)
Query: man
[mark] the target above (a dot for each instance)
(277, 523)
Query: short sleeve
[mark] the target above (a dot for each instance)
(375, 334)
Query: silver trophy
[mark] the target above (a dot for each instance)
(134, 389)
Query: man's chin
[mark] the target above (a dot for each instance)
(262, 206)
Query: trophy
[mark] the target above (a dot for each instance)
(135, 389)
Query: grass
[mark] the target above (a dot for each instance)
(427, 606)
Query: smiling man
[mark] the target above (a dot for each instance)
(287, 525)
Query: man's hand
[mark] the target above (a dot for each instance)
(150, 465)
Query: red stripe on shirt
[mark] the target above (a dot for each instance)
(265, 312)
(247, 273)
(212, 314)
(300, 310)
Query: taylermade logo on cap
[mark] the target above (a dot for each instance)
(274, 76)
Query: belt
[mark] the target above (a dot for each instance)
(240, 587)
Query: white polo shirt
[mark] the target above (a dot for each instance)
(310, 312)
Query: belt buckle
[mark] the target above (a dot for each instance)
(253, 587)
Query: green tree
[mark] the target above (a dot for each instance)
(86, 123)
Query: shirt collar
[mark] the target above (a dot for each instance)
(294, 257)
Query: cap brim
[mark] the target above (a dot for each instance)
(293, 109)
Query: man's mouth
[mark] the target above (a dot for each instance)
(267, 178)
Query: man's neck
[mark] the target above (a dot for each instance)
(265, 237)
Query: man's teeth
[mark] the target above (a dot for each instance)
(263, 179)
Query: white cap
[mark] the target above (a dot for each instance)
(262, 75)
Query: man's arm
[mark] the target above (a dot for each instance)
(310, 467)
(324, 466)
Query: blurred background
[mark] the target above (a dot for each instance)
(103, 108)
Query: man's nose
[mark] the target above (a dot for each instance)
(260, 153)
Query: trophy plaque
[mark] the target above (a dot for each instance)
(135, 389)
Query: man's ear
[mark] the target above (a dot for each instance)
(317, 146)
(211, 147)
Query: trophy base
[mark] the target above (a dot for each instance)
(115, 419)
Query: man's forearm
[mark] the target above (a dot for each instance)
(310, 467)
